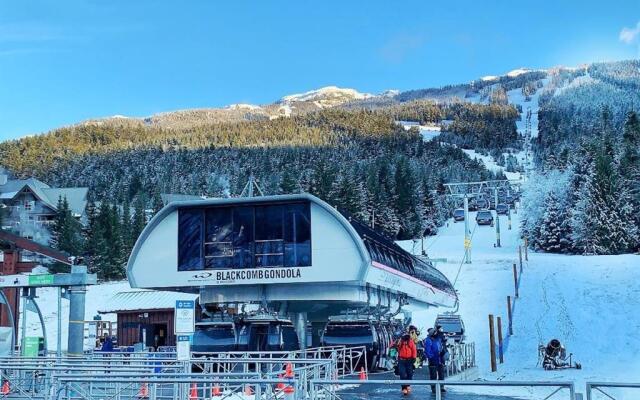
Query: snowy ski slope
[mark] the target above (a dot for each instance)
(590, 303)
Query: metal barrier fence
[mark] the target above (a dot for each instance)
(600, 387)
(331, 389)
(462, 356)
(120, 375)
(175, 388)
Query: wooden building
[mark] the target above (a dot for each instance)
(145, 316)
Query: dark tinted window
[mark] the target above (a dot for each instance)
(297, 235)
(190, 227)
(269, 240)
(349, 333)
(289, 339)
(245, 237)
(214, 336)
(218, 250)
(484, 214)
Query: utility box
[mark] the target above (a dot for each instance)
(33, 346)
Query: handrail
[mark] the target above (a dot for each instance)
(438, 383)
(597, 386)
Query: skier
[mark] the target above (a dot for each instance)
(415, 336)
(436, 354)
(406, 357)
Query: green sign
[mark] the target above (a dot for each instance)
(46, 279)
(32, 346)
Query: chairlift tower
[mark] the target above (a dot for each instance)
(467, 190)
(73, 283)
(248, 189)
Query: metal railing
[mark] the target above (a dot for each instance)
(600, 387)
(462, 356)
(171, 388)
(335, 389)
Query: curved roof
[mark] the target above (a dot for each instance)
(171, 207)
(373, 247)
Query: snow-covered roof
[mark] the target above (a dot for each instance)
(169, 197)
(76, 197)
(144, 300)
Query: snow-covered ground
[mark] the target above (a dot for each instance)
(589, 303)
(97, 297)
(491, 164)
(428, 132)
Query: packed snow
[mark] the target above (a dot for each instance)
(97, 296)
(428, 132)
(327, 96)
(243, 106)
(589, 303)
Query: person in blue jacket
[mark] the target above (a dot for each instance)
(107, 345)
(435, 349)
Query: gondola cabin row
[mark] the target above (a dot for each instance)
(254, 333)
(374, 335)
(269, 333)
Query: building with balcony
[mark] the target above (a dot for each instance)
(29, 206)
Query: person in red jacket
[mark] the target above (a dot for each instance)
(407, 354)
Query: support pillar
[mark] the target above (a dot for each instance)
(467, 238)
(75, 344)
(300, 322)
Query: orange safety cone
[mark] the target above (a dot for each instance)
(248, 391)
(363, 375)
(216, 392)
(193, 393)
(288, 372)
(143, 393)
(5, 388)
(288, 392)
(280, 385)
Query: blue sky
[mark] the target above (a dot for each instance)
(65, 61)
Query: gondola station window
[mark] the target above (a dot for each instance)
(241, 237)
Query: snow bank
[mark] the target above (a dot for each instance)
(589, 303)
(97, 296)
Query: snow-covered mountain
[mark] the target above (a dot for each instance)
(328, 96)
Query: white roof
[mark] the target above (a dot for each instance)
(144, 300)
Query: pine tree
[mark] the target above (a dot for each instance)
(66, 232)
(156, 201)
(551, 230)
(603, 218)
(125, 226)
(288, 183)
(138, 222)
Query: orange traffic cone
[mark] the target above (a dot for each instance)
(280, 385)
(248, 391)
(216, 392)
(288, 392)
(288, 372)
(143, 393)
(5, 388)
(363, 375)
(193, 393)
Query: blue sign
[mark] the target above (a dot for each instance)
(185, 304)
